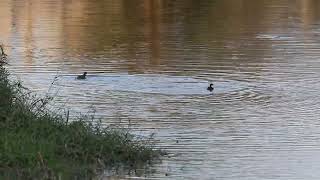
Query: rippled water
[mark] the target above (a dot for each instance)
(149, 63)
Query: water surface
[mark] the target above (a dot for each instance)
(149, 63)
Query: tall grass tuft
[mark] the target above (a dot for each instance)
(38, 144)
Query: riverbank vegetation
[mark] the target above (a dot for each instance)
(38, 144)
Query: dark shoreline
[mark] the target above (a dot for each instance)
(36, 143)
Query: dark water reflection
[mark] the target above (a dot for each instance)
(149, 63)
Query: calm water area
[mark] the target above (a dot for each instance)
(149, 63)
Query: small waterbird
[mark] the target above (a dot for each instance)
(210, 88)
(83, 76)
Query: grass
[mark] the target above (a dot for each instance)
(38, 144)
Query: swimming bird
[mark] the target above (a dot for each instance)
(83, 76)
(210, 88)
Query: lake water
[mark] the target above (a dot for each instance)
(149, 63)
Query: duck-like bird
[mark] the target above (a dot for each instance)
(83, 76)
(210, 88)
